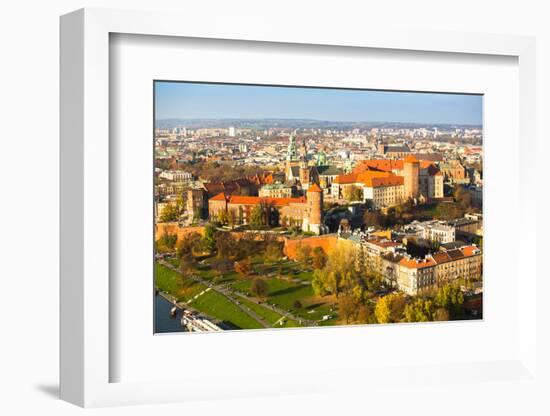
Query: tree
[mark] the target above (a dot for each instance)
(340, 273)
(347, 308)
(259, 287)
(273, 251)
(226, 246)
(243, 267)
(209, 238)
(319, 258)
(390, 308)
(421, 310)
(188, 246)
(171, 212)
(232, 218)
(441, 314)
(451, 299)
(166, 242)
(365, 315)
(260, 214)
(222, 216)
(303, 253)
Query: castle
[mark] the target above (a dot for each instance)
(305, 212)
(386, 182)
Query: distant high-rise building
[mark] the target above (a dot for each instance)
(231, 131)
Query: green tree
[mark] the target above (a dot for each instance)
(171, 212)
(166, 242)
(421, 310)
(222, 217)
(257, 216)
(451, 299)
(209, 238)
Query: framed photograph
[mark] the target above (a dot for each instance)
(290, 213)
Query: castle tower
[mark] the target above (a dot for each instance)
(304, 174)
(411, 169)
(315, 209)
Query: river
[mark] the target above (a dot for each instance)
(164, 322)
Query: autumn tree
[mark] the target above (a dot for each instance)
(189, 245)
(259, 287)
(303, 253)
(243, 267)
(273, 251)
(340, 273)
(390, 308)
(365, 314)
(226, 245)
(319, 258)
(441, 314)
(171, 212)
(347, 308)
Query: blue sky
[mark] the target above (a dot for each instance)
(192, 100)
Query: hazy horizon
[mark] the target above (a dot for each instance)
(207, 101)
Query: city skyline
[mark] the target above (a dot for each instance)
(186, 100)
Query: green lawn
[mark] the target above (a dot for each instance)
(282, 292)
(172, 282)
(219, 307)
(268, 314)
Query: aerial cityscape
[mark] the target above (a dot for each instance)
(288, 207)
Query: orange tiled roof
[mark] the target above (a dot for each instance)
(362, 177)
(346, 179)
(470, 250)
(218, 197)
(378, 182)
(416, 264)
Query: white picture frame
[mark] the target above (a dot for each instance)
(85, 212)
